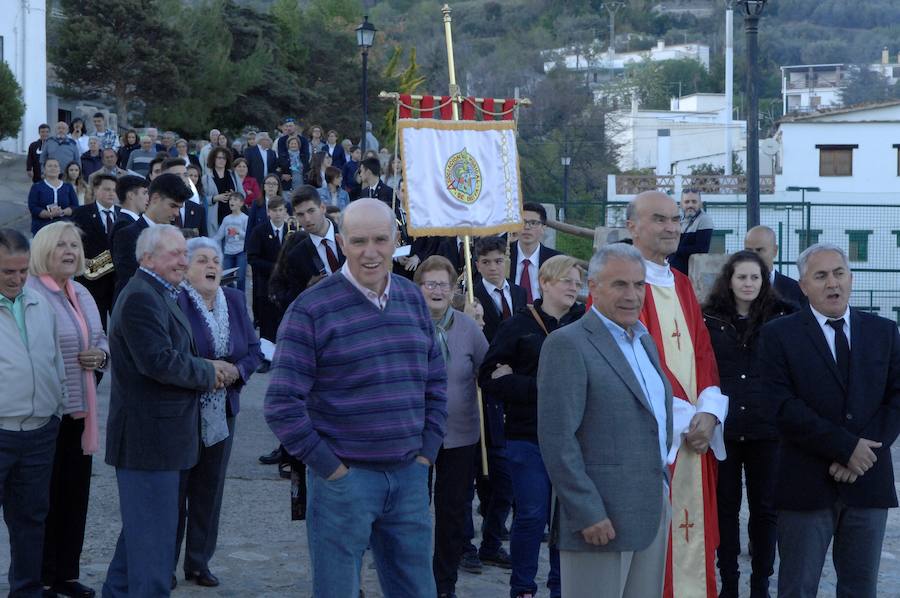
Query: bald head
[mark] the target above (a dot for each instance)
(762, 241)
(654, 224)
(367, 238)
(367, 212)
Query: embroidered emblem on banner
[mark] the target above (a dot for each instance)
(463, 177)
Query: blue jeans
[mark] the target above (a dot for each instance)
(145, 551)
(388, 509)
(26, 462)
(239, 261)
(531, 492)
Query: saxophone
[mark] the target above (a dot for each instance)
(99, 266)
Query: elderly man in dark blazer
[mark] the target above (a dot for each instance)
(154, 418)
(834, 373)
(605, 430)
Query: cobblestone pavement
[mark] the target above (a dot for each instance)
(262, 553)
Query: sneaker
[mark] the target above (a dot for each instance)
(471, 563)
(498, 559)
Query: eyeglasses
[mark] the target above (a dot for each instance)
(533, 223)
(431, 285)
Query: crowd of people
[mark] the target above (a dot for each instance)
(620, 430)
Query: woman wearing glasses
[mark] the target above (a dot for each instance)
(509, 373)
(463, 346)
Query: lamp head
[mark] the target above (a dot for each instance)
(365, 34)
(752, 8)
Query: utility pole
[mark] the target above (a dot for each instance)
(612, 7)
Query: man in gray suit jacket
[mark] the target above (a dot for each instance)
(153, 430)
(605, 430)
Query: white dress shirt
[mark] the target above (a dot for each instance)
(533, 268)
(328, 238)
(492, 293)
(828, 331)
(134, 215)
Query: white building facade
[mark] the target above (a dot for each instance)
(672, 141)
(23, 45)
(597, 59)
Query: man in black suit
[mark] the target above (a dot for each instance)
(319, 254)
(289, 126)
(153, 430)
(761, 240)
(833, 373)
(191, 216)
(372, 185)
(260, 162)
(167, 194)
(333, 147)
(263, 247)
(33, 161)
(528, 254)
(498, 296)
(349, 172)
(97, 223)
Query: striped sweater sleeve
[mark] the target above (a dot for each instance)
(293, 375)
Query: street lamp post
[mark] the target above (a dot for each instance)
(365, 36)
(565, 161)
(752, 11)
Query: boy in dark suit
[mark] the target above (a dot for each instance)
(263, 246)
(97, 223)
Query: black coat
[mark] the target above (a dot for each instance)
(96, 241)
(157, 377)
(518, 344)
(195, 218)
(544, 254)
(820, 420)
(751, 412)
(255, 167)
(302, 263)
(124, 245)
(788, 289)
(492, 314)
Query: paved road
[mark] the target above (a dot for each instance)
(261, 553)
(14, 186)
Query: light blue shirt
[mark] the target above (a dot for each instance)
(648, 377)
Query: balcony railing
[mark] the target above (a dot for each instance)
(813, 84)
(713, 184)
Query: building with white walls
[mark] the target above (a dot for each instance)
(23, 46)
(595, 60)
(672, 141)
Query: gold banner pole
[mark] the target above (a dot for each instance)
(470, 288)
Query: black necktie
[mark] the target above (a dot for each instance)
(109, 222)
(841, 349)
(278, 236)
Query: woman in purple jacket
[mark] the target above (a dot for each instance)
(57, 257)
(221, 330)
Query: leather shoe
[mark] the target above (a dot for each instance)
(264, 367)
(73, 589)
(202, 578)
(498, 559)
(174, 583)
(272, 458)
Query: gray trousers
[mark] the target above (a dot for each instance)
(803, 539)
(618, 574)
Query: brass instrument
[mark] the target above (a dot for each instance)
(292, 226)
(99, 266)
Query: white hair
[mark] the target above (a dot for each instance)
(621, 251)
(197, 243)
(803, 260)
(151, 237)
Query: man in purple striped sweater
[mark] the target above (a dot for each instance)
(358, 393)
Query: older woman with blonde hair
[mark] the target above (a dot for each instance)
(509, 374)
(57, 256)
